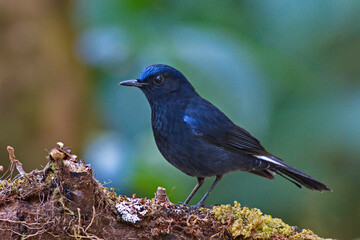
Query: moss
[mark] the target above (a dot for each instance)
(305, 234)
(246, 223)
(111, 194)
(3, 184)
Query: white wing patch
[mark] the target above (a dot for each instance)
(191, 122)
(268, 159)
(188, 119)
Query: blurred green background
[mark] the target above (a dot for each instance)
(287, 71)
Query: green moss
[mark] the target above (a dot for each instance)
(246, 223)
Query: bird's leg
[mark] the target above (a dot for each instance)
(198, 185)
(218, 178)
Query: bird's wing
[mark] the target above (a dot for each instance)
(208, 122)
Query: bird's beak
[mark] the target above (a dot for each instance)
(133, 83)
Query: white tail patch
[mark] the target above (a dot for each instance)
(268, 159)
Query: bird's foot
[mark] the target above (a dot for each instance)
(192, 207)
(196, 207)
(211, 206)
(181, 204)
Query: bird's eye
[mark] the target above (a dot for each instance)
(158, 80)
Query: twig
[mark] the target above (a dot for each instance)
(16, 162)
(92, 219)
(37, 233)
(28, 236)
(79, 220)
(20, 222)
(76, 236)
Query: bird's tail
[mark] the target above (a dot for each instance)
(299, 178)
(274, 165)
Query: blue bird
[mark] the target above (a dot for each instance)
(200, 140)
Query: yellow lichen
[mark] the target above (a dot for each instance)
(253, 223)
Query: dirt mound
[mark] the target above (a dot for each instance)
(64, 201)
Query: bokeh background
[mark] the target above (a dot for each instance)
(287, 71)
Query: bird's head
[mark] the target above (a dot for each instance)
(162, 82)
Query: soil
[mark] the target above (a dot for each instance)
(64, 201)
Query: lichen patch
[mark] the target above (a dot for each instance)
(252, 223)
(131, 210)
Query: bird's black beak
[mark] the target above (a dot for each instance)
(133, 83)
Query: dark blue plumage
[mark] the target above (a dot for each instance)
(201, 141)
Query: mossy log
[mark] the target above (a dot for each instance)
(64, 201)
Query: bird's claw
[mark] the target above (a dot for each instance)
(193, 207)
(196, 207)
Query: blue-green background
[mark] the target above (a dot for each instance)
(287, 71)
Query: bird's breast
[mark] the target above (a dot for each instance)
(166, 125)
(170, 132)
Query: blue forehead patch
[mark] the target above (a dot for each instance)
(156, 69)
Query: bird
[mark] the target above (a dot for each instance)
(200, 140)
